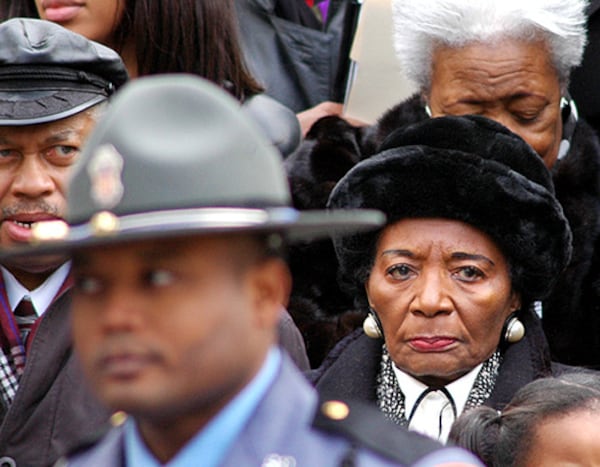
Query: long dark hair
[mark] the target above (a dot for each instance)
(17, 8)
(177, 36)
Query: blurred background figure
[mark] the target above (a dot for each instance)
(300, 54)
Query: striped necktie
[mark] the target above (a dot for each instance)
(25, 317)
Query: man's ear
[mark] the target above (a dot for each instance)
(271, 283)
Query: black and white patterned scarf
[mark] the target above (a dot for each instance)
(390, 398)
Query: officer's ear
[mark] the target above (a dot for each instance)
(270, 284)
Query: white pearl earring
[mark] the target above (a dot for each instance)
(371, 326)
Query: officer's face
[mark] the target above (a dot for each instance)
(35, 162)
(172, 329)
(513, 83)
(94, 19)
(442, 291)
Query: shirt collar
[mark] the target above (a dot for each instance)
(42, 296)
(458, 389)
(214, 440)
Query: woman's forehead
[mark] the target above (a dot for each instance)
(419, 235)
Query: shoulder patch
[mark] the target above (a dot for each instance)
(365, 426)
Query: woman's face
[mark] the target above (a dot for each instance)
(94, 19)
(513, 83)
(442, 291)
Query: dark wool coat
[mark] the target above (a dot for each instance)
(351, 369)
(571, 313)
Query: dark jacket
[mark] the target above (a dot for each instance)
(350, 370)
(53, 408)
(299, 63)
(571, 315)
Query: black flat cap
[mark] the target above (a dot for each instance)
(48, 73)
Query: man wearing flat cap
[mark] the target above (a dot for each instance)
(177, 215)
(52, 86)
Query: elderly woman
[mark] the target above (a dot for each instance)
(474, 235)
(509, 61)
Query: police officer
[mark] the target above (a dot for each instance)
(178, 213)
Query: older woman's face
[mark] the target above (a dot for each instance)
(512, 82)
(442, 291)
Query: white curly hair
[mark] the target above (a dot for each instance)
(422, 25)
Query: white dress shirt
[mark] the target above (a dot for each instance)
(42, 296)
(434, 414)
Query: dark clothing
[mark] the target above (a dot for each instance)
(571, 314)
(291, 341)
(298, 64)
(583, 83)
(350, 370)
(53, 408)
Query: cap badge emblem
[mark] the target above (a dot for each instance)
(105, 170)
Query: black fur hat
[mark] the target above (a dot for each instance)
(469, 169)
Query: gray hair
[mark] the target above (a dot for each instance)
(420, 26)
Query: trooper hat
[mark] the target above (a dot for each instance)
(174, 155)
(469, 169)
(48, 73)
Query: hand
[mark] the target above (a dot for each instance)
(309, 116)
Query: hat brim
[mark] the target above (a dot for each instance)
(296, 226)
(35, 107)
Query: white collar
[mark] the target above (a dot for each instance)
(42, 296)
(458, 389)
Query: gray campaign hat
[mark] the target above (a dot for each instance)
(48, 73)
(174, 155)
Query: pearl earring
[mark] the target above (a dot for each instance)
(515, 330)
(371, 326)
